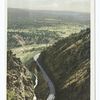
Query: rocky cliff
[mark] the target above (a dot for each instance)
(20, 85)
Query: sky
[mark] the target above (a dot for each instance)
(65, 5)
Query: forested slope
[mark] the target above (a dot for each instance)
(67, 62)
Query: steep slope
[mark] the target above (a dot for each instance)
(67, 62)
(19, 80)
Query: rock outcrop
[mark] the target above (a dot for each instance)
(20, 85)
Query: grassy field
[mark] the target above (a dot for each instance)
(27, 52)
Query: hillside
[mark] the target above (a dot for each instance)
(20, 82)
(67, 63)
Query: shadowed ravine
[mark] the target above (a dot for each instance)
(51, 95)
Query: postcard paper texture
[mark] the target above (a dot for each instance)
(48, 49)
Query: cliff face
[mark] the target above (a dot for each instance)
(19, 80)
(67, 62)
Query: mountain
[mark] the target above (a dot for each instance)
(20, 82)
(67, 63)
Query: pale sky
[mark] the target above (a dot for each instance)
(66, 5)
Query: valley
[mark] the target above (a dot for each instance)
(63, 40)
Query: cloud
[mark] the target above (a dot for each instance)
(69, 5)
